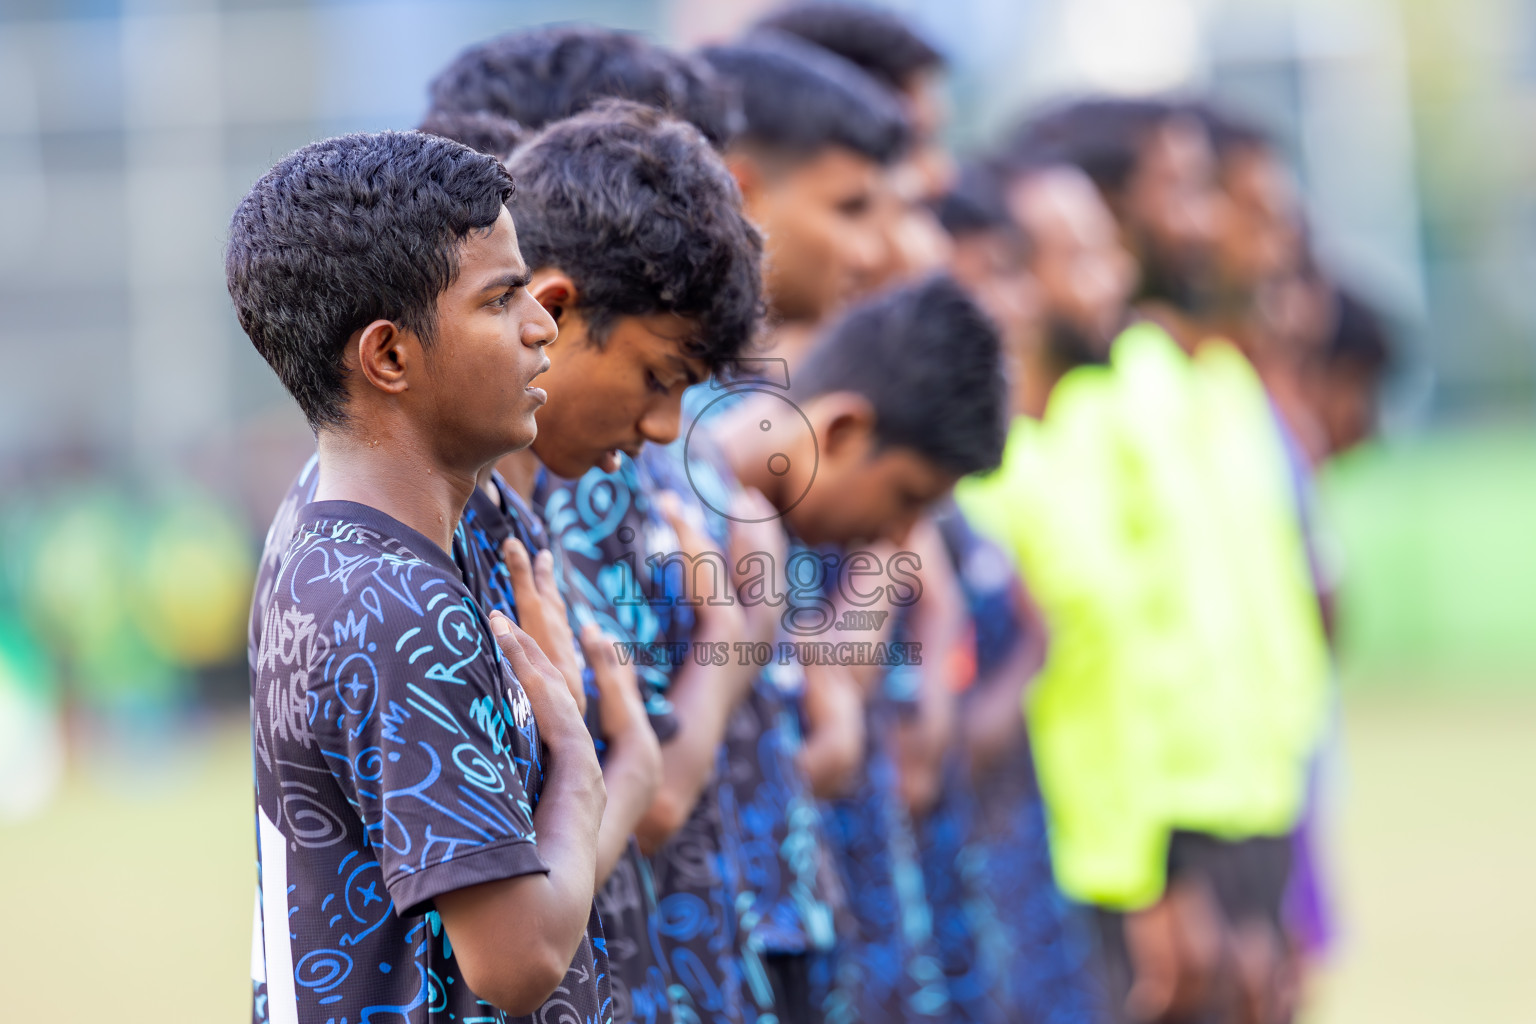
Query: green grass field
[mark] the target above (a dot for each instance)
(139, 909)
(1435, 848)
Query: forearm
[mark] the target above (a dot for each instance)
(833, 748)
(992, 722)
(941, 625)
(921, 743)
(568, 820)
(515, 938)
(631, 775)
(702, 698)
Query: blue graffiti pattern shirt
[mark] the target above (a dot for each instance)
(606, 525)
(790, 894)
(1013, 948)
(396, 758)
(627, 900)
(886, 966)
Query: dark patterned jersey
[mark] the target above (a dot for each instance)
(396, 759)
(606, 524)
(280, 531)
(791, 894)
(627, 900)
(1012, 947)
(965, 931)
(887, 967)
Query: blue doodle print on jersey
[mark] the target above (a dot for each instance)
(607, 524)
(949, 855)
(396, 759)
(888, 968)
(626, 901)
(789, 889)
(1002, 923)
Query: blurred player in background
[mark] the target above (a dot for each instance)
(887, 48)
(902, 242)
(1039, 250)
(903, 395)
(812, 158)
(1223, 694)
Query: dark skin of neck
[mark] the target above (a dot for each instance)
(790, 340)
(1036, 377)
(750, 471)
(377, 460)
(1183, 329)
(521, 471)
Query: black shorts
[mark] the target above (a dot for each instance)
(1247, 876)
(1111, 960)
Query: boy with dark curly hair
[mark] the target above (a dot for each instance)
(428, 801)
(640, 254)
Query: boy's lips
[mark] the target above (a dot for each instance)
(608, 462)
(539, 394)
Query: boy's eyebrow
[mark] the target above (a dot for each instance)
(517, 279)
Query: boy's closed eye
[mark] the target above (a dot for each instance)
(854, 206)
(663, 382)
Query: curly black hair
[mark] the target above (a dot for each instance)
(799, 99)
(642, 214)
(481, 131)
(880, 42)
(347, 231)
(538, 76)
(930, 362)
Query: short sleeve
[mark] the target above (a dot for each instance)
(428, 734)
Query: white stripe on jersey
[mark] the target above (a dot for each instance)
(282, 1000)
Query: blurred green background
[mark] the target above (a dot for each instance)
(1437, 547)
(135, 420)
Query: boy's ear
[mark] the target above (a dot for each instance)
(386, 355)
(553, 289)
(845, 425)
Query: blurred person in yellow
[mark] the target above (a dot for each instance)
(1321, 353)
(1174, 539)
(1271, 301)
(1047, 263)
